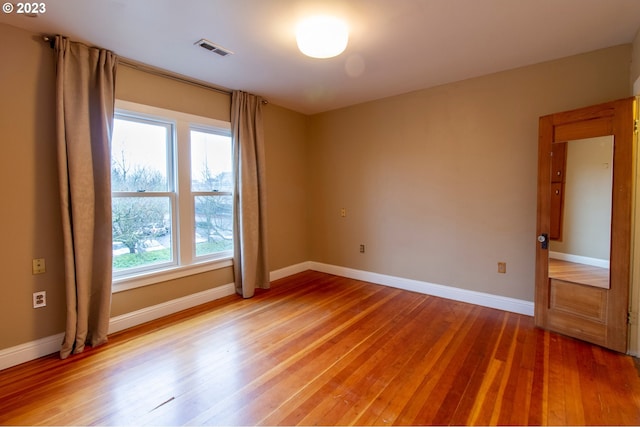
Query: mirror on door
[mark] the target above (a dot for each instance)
(581, 200)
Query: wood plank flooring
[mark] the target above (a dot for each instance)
(579, 273)
(321, 349)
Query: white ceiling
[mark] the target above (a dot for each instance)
(395, 46)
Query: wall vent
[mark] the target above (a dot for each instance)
(206, 44)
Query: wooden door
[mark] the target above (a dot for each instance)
(570, 307)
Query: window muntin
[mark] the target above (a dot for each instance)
(158, 156)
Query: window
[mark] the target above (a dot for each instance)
(212, 189)
(172, 194)
(143, 195)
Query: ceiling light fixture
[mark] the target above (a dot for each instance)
(322, 36)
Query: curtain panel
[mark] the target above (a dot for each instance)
(85, 88)
(250, 205)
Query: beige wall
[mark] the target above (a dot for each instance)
(440, 184)
(144, 88)
(30, 212)
(30, 215)
(287, 198)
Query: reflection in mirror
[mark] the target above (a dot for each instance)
(581, 251)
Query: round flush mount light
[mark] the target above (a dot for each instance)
(322, 36)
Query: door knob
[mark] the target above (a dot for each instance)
(544, 241)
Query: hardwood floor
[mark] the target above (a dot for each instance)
(321, 349)
(579, 273)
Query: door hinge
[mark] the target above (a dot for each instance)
(632, 318)
(635, 126)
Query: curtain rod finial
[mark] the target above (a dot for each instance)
(49, 39)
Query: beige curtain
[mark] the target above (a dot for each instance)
(85, 89)
(250, 226)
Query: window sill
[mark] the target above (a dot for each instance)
(150, 278)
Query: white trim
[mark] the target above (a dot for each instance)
(175, 272)
(448, 292)
(596, 262)
(147, 314)
(29, 351)
(45, 346)
(290, 271)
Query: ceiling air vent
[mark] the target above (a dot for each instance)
(206, 44)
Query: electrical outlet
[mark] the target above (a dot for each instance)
(502, 267)
(39, 299)
(38, 266)
(361, 249)
(343, 212)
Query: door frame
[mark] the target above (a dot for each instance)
(612, 118)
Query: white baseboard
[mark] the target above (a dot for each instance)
(29, 351)
(147, 314)
(473, 297)
(290, 271)
(32, 350)
(596, 262)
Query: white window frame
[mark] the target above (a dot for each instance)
(169, 193)
(185, 263)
